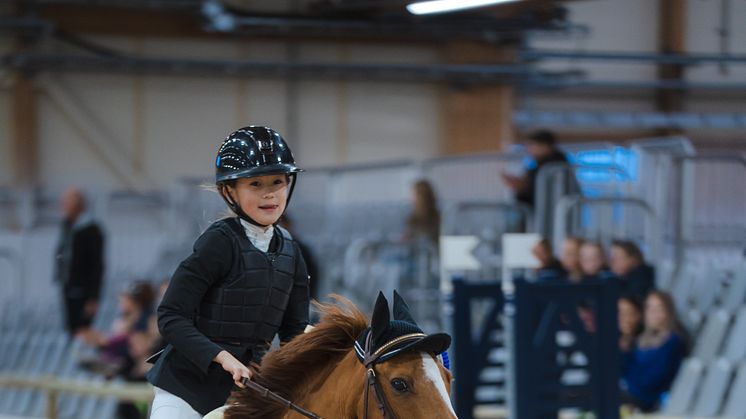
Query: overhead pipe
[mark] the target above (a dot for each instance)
(464, 73)
(645, 120)
(683, 59)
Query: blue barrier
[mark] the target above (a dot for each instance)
(565, 347)
(472, 349)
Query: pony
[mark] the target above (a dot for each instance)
(344, 368)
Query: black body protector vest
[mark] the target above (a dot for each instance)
(248, 305)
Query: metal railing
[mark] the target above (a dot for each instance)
(53, 386)
(570, 202)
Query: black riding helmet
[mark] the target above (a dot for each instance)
(250, 152)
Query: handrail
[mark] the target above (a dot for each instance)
(612, 167)
(568, 202)
(524, 209)
(735, 158)
(55, 385)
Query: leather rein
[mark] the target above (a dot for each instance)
(369, 360)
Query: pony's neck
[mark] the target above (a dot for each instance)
(336, 393)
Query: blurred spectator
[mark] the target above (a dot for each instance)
(424, 220)
(135, 308)
(655, 360)
(570, 258)
(123, 351)
(593, 261)
(542, 146)
(79, 261)
(313, 269)
(630, 327)
(636, 278)
(550, 267)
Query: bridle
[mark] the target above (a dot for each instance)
(369, 359)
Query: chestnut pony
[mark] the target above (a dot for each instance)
(345, 369)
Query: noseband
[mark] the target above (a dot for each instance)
(369, 359)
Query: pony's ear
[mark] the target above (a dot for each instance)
(380, 321)
(401, 309)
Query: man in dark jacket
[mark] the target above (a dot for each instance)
(79, 261)
(542, 147)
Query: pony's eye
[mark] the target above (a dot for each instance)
(399, 385)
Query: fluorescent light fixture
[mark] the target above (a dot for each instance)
(443, 6)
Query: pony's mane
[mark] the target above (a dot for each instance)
(287, 369)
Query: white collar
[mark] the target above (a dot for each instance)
(259, 237)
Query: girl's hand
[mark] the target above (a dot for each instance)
(234, 367)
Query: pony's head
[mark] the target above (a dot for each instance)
(405, 376)
(327, 370)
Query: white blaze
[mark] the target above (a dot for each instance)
(432, 373)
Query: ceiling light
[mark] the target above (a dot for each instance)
(443, 6)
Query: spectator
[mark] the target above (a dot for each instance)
(135, 308)
(630, 327)
(79, 261)
(311, 266)
(549, 268)
(424, 221)
(593, 261)
(655, 360)
(636, 278)
(542, 146)
(570, 258)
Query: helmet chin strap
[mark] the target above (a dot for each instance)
(240, 212)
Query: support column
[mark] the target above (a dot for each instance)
(24, 119)
(476, 118)
(25, 134)
(671, 40)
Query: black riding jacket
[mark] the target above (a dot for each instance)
(227, 295)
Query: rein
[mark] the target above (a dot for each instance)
(271, 395)
(369, 361)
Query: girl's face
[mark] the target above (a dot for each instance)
(126, 304)
(656, 317)
(542, 253)
(591, 259)
(262, 198)
(629, 317)
(621, 263)
(570, 255)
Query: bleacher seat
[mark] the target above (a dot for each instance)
(735, 403)
(685, 387)
(711, 338)
(735, 295)
(735, 344)
(713, 389)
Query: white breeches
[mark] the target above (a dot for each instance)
(168, 406)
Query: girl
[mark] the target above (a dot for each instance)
(245, 282)
(593, 261)
(424, 221)
(655, 360)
